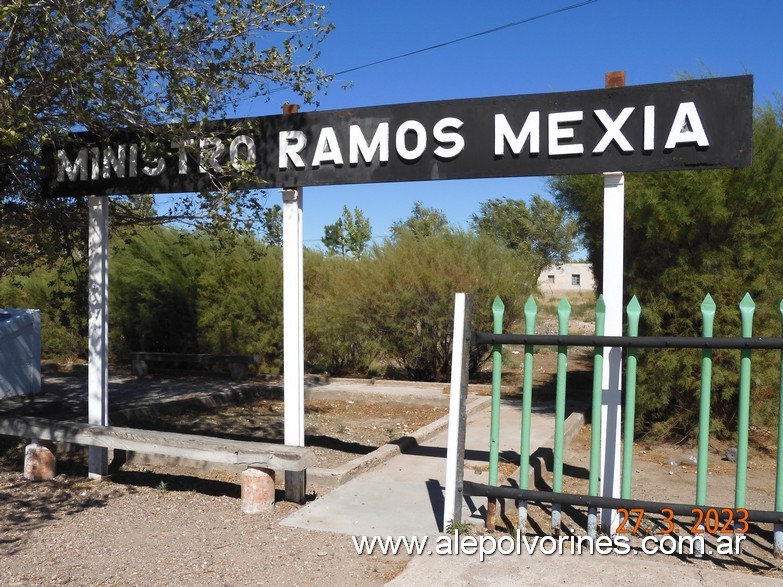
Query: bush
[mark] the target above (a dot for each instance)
(409, 296)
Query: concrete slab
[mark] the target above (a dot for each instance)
(404, 496)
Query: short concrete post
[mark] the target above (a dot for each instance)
(40, 464)
(258, 490)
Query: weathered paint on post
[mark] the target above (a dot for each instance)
(98, 325)
(498, 308)
(531, 309)
(634, 311)
(563, 314)
(595, 428)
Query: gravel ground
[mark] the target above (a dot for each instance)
(156, 525)
(73, 531)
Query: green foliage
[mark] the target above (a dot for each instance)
(336, 340)
(50, 291)
(421, 223)
(688, 234)
(349, 235)
(153, 292)
(543, 232)
(410, 296)
(240, 300)
(175, 291)
(108, 66)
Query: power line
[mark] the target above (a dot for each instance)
(465, 38)
(453, 41)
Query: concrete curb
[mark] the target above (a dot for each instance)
(331, 478)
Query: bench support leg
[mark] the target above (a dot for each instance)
(40, 464)
(296, 486)
(258, 490)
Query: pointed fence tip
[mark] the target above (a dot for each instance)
(498, 305)
(600, 304)
(564, 305)
(634, 305)
(747, 302)
(708, 305)
(531, 306)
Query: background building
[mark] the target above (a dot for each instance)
(570, 277)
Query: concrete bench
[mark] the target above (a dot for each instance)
(261, 459)
(237, 364)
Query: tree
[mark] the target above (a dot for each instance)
(349, 235)
(422, 222)
(690, 233)
(102, 66)
(71, 65)
(543, 232)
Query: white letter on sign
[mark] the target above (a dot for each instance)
(613, 131)
(233, 151)
(504, 135)
(416, 128)
(291, 144)
(556, 133)
(327, 150)
(686, 128)
(358, 144)
(441, 136)
(76, 169)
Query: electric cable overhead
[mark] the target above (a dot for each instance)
(467, 37)
(453, 41)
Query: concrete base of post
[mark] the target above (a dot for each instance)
(40, 464)
(258, 490)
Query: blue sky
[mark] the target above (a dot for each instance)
(652, 41)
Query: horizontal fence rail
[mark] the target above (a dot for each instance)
(471, 488)
(639, 342)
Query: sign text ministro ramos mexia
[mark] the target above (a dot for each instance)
(682, 125)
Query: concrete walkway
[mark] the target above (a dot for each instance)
(404, 495)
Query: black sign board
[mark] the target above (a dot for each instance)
(699, 124)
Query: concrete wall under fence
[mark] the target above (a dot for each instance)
(569, 277)
(20, 352)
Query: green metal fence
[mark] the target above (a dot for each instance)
(746, 343)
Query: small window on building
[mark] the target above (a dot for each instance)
(550, 278)
(576, 279)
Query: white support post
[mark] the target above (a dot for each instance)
(98, 328)
(293, 335)
(614, 222)
(455, 452)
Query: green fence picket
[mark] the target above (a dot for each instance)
(747, 308)
(634, 311)
(563, 314)
(531, 309)
(708, 309)
(595, 431)
(777, 539)
(498, 309)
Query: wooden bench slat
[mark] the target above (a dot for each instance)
(206, 448)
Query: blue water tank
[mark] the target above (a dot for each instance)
(20, 352)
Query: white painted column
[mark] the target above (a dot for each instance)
(455, 451)
(614, 223)
(293, 317)
(98, 328)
